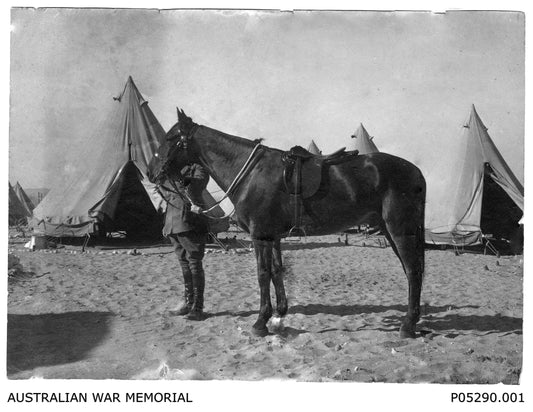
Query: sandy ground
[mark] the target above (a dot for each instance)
(104, 314)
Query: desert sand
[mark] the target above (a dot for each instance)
(103, 314)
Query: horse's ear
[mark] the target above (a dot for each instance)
(182, 117)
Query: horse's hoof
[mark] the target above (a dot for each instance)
(260, 332)
(407, 333)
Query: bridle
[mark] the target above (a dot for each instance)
(182, 144)
(181, 191)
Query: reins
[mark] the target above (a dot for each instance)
(183, 195)
(238, 178)
(185, 198)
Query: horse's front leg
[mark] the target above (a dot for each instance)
(277, 280)
(263, 254)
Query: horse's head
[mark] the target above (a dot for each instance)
(173, 153)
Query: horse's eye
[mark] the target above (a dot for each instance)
(156, 155)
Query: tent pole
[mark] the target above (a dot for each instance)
(85, 242)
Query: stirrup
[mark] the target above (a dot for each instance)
(293, 233)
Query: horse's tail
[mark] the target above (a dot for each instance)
(421, 232)
(419, 211)
(403, 213)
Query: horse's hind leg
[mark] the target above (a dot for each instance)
(263, 254)
(405, 232)
(277, 280)
(410, 250)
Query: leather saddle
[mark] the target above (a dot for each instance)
(305, 176)
(304, 173)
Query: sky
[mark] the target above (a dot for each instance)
(288, 77)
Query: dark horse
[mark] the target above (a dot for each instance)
(377, 186)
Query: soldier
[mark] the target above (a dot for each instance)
(187, 229)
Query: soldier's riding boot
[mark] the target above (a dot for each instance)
(188, 294)
(198, 280)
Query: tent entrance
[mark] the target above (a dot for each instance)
(499, 214)
(134, 214)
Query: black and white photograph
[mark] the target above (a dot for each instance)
(315, 197)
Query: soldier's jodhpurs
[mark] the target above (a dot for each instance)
(190, 249)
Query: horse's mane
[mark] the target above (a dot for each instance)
(237, 140)
(233, 143)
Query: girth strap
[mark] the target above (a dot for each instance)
(296, 198)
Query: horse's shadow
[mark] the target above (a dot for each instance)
(448, 322)
(480, 323)
(287, 245)
(346, 310)
(53, 338)
(238, 314)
